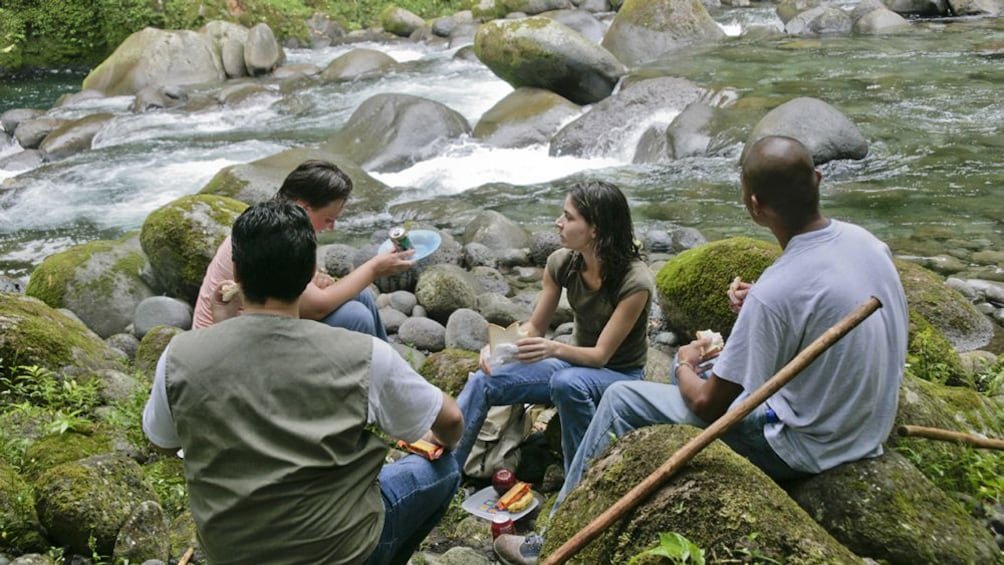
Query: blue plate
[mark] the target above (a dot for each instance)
(426, 243)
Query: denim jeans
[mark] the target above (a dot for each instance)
(416, 493)
(574, 390)
(359, 315)
(628, 406)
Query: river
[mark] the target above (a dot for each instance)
(929, 102)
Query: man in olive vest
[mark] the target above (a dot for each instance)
(271, 412)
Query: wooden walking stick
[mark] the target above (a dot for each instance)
(949, 435)
(718, 428)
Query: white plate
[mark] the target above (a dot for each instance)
(482, 504)
(426, 243)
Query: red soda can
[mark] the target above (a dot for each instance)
(502, 524)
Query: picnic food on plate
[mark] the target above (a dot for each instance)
(516, 498)
(716, 345)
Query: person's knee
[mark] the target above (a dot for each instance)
(564, 385)
(354, 316)
(616, 395)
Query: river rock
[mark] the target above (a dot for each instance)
(581, 21)
(181, 238)
(977, 7)
(496, 231)
(467, 330)
(644, 30)
(718, 500)
(22, 161)
(448, 369)
(90, 498)
(22, 531)
(154, 56)
(241, 93)
(540, 52)
(155, 97)
(526, 116)
(232, 57)
(57, 448)
(259, 180)
(399, 21)
(358, 63)
(74, 136)
(74, 98)
(542, 244)
(144, 535)
(788, 9)
(602, 131)
(872, 17)
(391, 132)
(424, 334)
(262, 52)
(500, 310)
(10, 119)
(99, 281)
(323, 30)
(821, 20)
(124, 342)
(444, 288)
(152, 346)
(392, 319)
(689, 134)
(490, 279)
(824, 130)
(30, 133)
(896, 515)
(944, 307)
(445, 26)
(918, 7)
(221, 30)
(161, 311)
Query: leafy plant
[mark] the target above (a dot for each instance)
(41, 387)
(676, 548)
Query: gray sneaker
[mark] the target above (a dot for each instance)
(518, 550)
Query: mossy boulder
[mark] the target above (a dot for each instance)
(56, 449)
(181, 238)
(448, 369)
(390, 132)
(259, 180)
(167, 476)
(152, 346)
(33, 333)
(100, 281)
(953, 467)
(88, 498)
(718, 500)
(931, 357)
(399, 21)
(526, 116)
(540, 52)
(20, 529)
(644, 30)
(889, 511)
(944, 307)
(143, 537)
(444, 288)
(692, 285)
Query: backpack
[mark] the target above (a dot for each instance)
(497, 445)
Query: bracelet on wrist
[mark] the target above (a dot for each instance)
(676, 369)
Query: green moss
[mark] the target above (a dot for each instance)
(944, 307)
(19, 526)
(55, 449)
(448, 369)
(692, 285)
(152, 346)
(931, 357)
(225, 183)
(167, 477)
(50, 279)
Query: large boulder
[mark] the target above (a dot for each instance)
(152, 346)
(259, 180)
(74, 136)
(581, 21)
(918, 7)
(10, 119)
(644, 30)
(824, 130)
(543, 53)
(144, 536)
(495, 231)
(153, 56)
(262, 51)
(605, 130)
(444, 288)
(90, 499)
(991, 8)
(872, 17)
(691, 286)
(181, 238)
(944, 307)
(821, 20)
(718, 500)
(99, 281)
(893, 514)
(32, 333)
(57, 448)
(526, 116)
(391, 132)
(32, 132)
(399, 21)
(358, 63)
(448, 369)
(788, 9)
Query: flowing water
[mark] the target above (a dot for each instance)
(929, 102)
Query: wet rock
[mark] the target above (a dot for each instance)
(821, 20)
(74, 136)
(358, 63)
(947, 310)
(788, 9)
(581, 21)
(22, 161)
(30, 133)
(399, 21)
(496, 231)
(526, 116)
(644, 30)
(156, 97)
(919, 7)
(823, 129)
(10, 119)
(262, 52)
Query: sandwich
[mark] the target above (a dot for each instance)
(517, 498)
(716, 345)
(228, 291)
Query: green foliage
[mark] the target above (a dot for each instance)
(972, 471)
(41, 387)
(674, 547)
(989, 380)
(167, 477)
(933, 359)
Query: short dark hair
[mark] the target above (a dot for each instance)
(779, 171)
(274, 251)
(317, 183)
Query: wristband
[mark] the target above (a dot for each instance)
(676, 368)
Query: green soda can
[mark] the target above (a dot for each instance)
(399, 237)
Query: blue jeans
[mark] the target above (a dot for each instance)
(628, 406)
(416, 493)
(575, 390)
(359, 315)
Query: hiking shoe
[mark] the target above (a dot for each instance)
(518, 550)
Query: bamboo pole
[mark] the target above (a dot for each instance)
(949, 435)
(187, 556)
(718, 428)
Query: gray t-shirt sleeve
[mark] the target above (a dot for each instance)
(158, 423)
(401, 401)
(753, 351)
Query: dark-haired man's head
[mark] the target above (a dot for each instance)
(779, 172)
(321, 188)
(274, 251)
